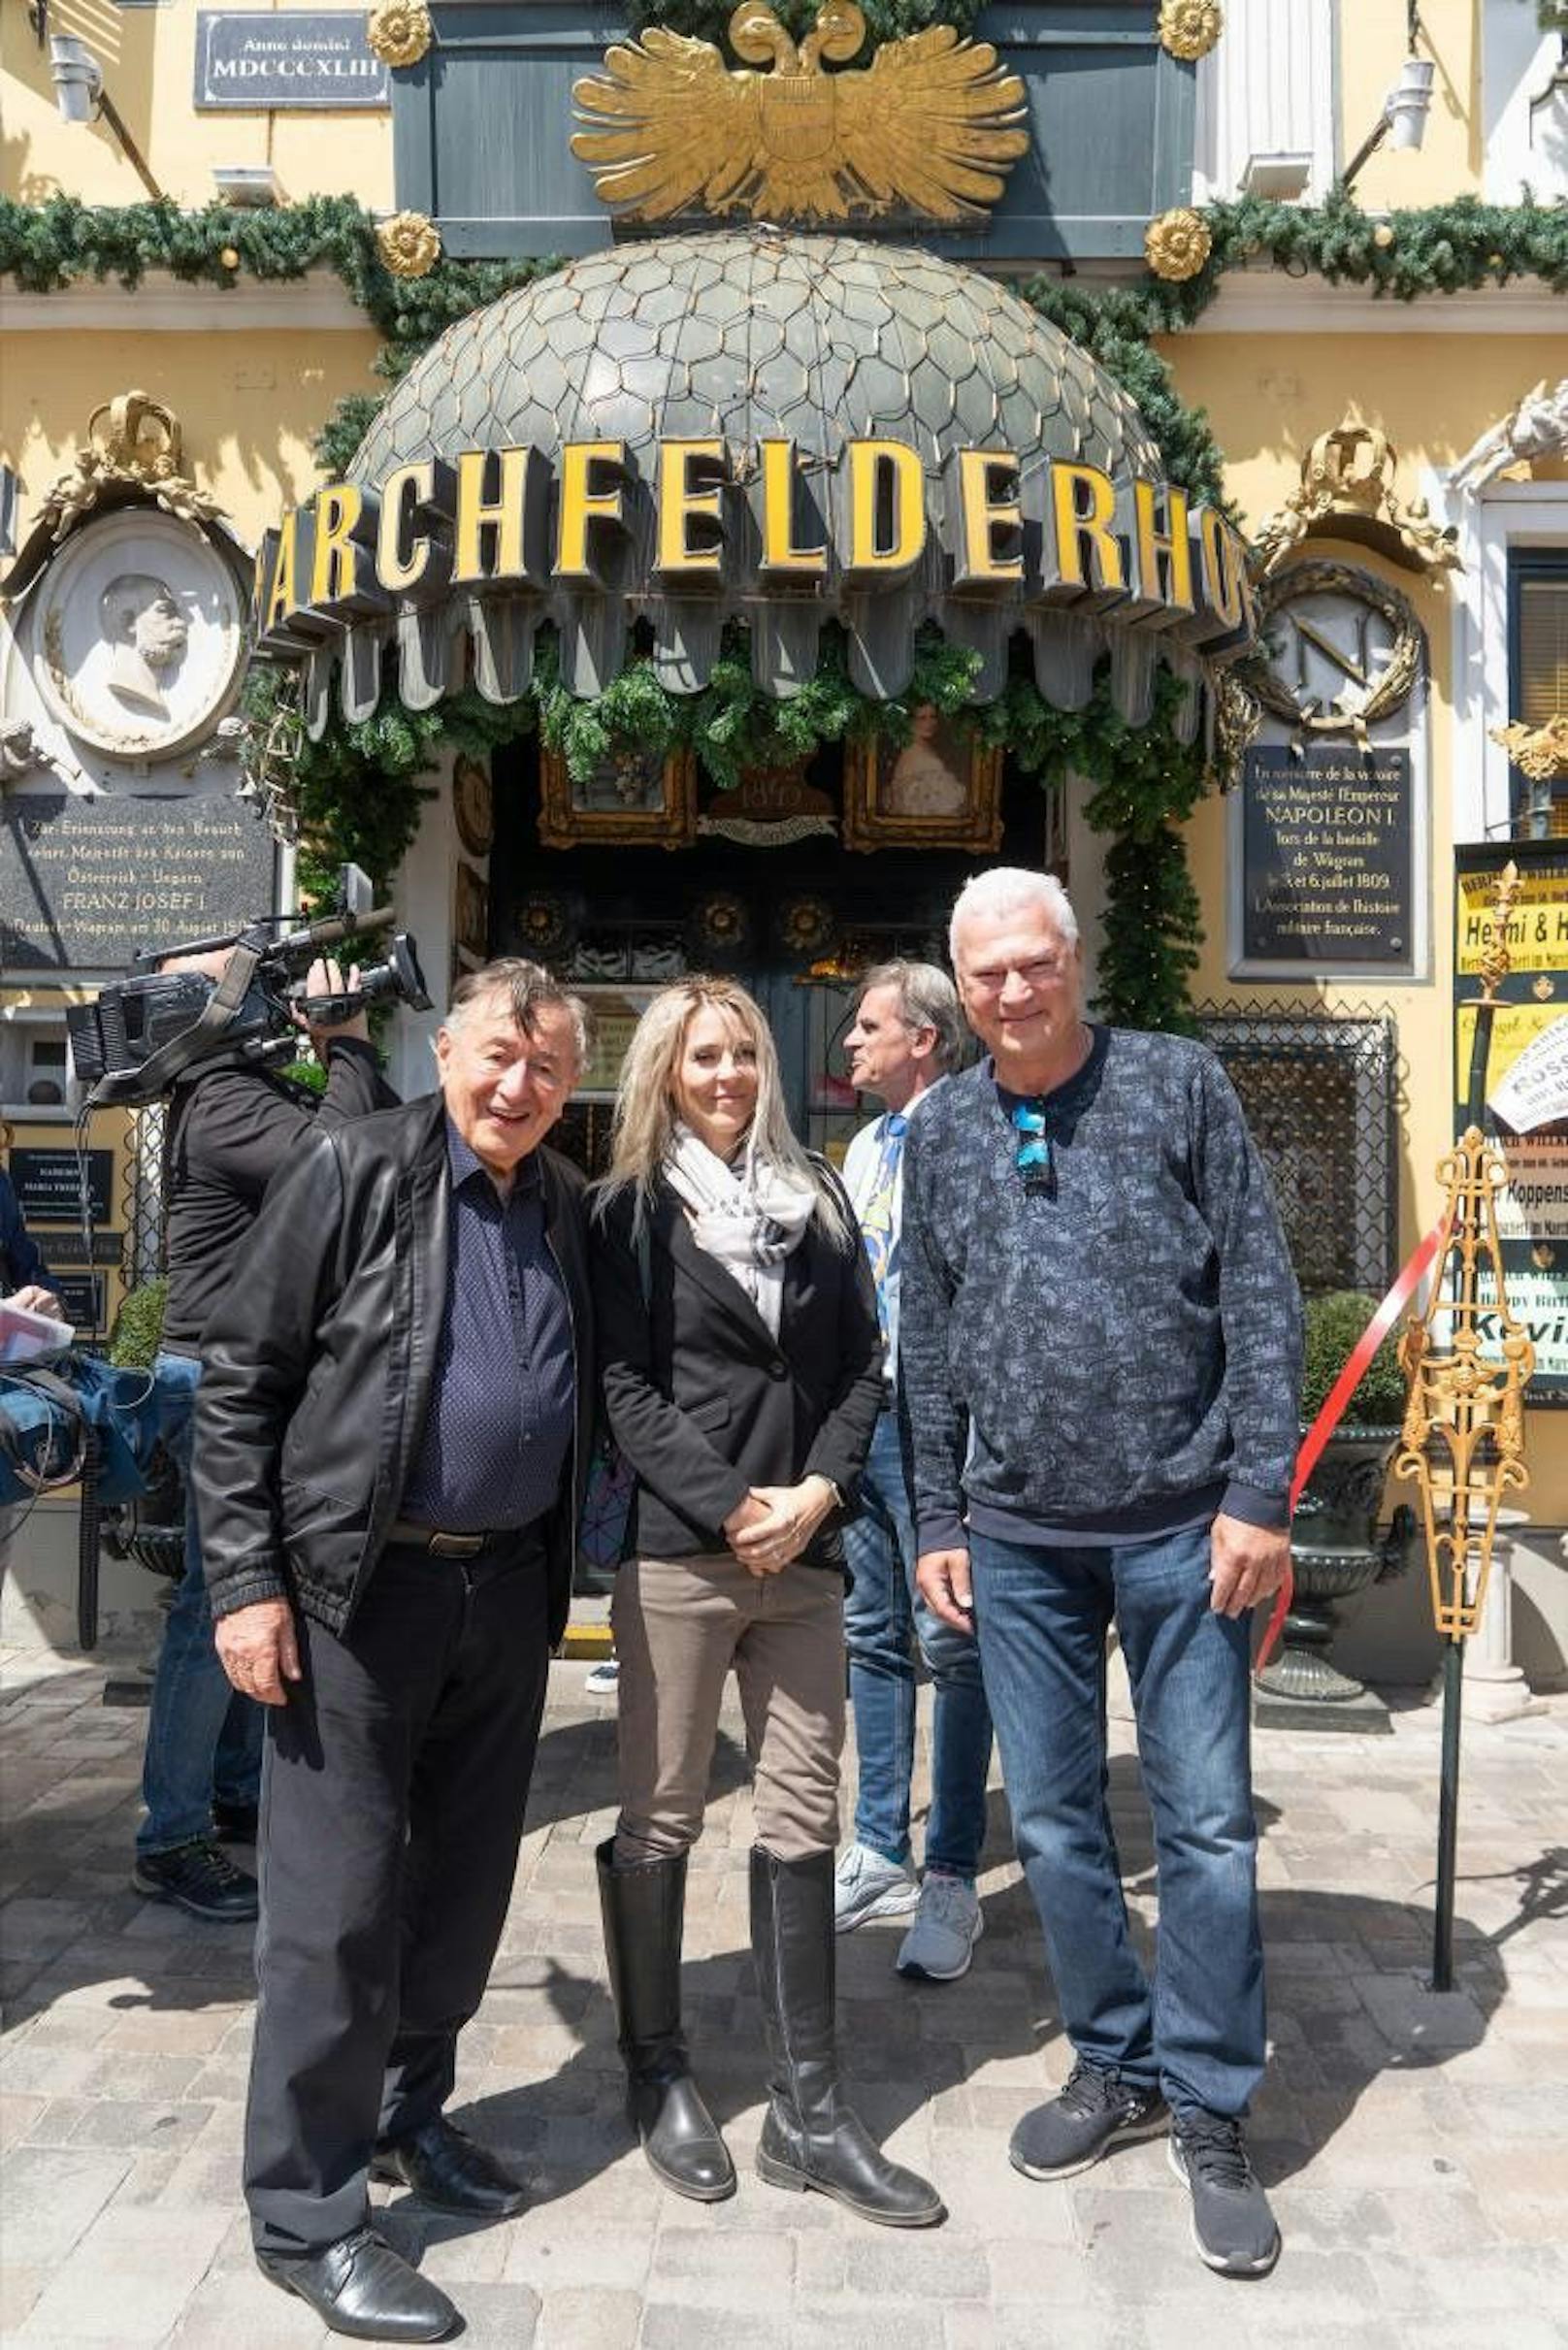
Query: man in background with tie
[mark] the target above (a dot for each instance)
(907, 1035)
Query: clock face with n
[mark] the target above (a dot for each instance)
(1344, 649)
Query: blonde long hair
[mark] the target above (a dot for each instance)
(644, 1116)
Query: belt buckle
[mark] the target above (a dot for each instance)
(457, 1545)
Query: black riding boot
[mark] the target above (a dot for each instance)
(810, 2138)
(644, 1907)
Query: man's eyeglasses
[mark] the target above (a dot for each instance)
(1035, 1157)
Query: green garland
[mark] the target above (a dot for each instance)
(357, 791)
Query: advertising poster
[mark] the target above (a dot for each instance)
(1527, 1082)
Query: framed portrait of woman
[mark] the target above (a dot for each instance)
(942, 788)
(634, 794)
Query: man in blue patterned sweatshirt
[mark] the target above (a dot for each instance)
(1100, 1347)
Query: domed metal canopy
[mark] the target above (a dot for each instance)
(748, 338)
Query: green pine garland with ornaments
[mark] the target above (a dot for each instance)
(357, 792)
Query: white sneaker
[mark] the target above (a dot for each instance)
(948, 1923)
(868, 1886)
(603, 1680)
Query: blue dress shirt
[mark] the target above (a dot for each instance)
(501, 1408)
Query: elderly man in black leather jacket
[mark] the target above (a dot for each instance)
(392, 1439)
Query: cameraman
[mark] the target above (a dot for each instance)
(232, 1128)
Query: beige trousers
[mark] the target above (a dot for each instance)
(680, 1626)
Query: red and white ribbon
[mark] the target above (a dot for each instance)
(1338, 1399)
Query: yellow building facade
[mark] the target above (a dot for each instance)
(254, 368)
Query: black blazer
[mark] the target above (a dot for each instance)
(318, 1363)
(701, 1397)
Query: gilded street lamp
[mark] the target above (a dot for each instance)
(1464, 1436)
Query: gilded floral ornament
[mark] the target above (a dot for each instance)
(1540, 752)
(409, 244)
(399, 31)
(1177, 243)
(1190, 28)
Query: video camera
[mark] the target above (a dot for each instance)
(143, 1033)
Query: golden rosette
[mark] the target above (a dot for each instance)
(399, 31)
(409, 244)
(1190, 28)
(1177, 243)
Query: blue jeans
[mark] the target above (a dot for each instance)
(1043, 1614)
(883, 1618)
(204, 1738)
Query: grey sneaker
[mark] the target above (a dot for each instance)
(1095, 2111)
(1233, 2226)
(868, 1886)
(948, 1923)
(602, 1680)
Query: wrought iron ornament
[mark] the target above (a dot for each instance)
(929, 127)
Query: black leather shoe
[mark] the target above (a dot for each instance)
(360, 2286)
(448, 2171)
(199, 1878)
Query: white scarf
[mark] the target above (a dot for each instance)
(748, 1218)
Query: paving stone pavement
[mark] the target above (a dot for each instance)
(1416, 2148)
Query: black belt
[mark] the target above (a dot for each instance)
(443, 1545)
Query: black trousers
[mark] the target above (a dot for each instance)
(393, 1790)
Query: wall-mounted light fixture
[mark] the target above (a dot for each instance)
(1403, 119)
(81, 96)
(250, 186)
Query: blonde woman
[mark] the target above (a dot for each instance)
(742, 1366)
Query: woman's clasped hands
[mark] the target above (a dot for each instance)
(775, 1523)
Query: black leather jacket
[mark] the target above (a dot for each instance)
(317, 1365)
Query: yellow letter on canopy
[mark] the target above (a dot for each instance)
(582, 507)
(1088, 559)
(781, 556)
(991, 517)
(682, 501)
(887, 510)
(502, 516)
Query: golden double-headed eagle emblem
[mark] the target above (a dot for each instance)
(929, 128)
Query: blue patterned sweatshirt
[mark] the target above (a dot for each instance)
(1116, 1360)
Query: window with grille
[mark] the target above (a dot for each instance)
(1538, 673)
(1320, 1098)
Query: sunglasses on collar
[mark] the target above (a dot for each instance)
(1034, 1155)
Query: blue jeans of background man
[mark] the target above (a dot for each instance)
(204, 1738)
(1043, 1614)
(883, 1618)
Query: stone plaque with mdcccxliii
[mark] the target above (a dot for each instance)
(87, 883)
(1326, 875)
(298, 58)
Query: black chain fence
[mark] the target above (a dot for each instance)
(143, 1255)
(1322, 1096)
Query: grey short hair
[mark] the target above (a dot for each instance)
(528, 988)
(1013, 889)
(926, 999)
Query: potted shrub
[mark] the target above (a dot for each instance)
(1334, 1546)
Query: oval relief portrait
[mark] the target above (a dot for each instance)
(138, 641)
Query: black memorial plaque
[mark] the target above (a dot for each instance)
(82, 1296)
(296, 58)
(49, 1185)
(1326, 857)
(85, 883)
